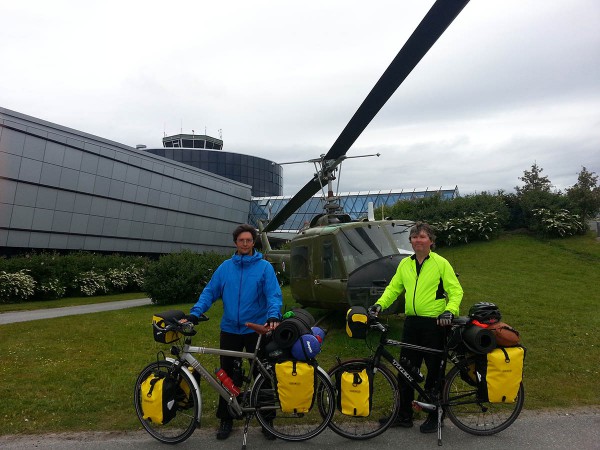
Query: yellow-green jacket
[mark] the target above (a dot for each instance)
(425, 292)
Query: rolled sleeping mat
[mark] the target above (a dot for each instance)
(289, 330)
(479, 340)
(304, 316)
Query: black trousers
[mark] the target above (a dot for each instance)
(237, 342)
(425, 332)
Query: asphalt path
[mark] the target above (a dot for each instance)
(50, 313)
(532, 430)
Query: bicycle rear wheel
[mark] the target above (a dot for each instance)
(293, 426)
(384, 402)
(184, 423)
(469, 413)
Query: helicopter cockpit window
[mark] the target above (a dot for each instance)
(400, 234)
(299, 262)
(360, 246)
(331, 262)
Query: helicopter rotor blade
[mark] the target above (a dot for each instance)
(310, 189)
(433, 25)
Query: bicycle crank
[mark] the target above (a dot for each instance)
(422, 406)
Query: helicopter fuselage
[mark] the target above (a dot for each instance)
(340, 265)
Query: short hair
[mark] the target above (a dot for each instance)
(243, 228)
(423, 226)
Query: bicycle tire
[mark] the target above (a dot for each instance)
(384, 402)
(184, 423)
(470, 414)
(292, 426)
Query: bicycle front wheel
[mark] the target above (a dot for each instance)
(184, 423)
(469, 413)
(384, 402)
(293, 426)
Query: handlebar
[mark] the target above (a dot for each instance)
(374, 323)
(185, 326)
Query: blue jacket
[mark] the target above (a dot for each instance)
(250, 291)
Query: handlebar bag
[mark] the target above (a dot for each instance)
(295, 385)
(160, 321)
(355, 389)
(500, 373)
(357, 322)
(158, 392)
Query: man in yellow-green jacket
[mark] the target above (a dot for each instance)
(433, 295)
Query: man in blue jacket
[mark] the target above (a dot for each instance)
(250, 291)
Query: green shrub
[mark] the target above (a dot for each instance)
(79, 273)
(51, 288)
(435, 209)
(90, 283)
(524, 205)
(16, 287)
(475, 227)
(180, 277)
(557, 223)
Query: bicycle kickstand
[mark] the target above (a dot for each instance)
(245, 436)
(440, 415)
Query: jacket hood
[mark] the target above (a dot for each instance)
(246, 259)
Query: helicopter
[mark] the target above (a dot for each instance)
(336, 262)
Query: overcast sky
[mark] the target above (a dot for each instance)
(509, 84)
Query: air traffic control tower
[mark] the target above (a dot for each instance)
(206, 153)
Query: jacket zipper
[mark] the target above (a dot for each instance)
(417, 283)
(415, 296)
(240, 292)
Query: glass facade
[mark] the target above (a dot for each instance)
(265, 177)
(353, 204)
(202, 151)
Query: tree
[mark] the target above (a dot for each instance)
(534, 181)
(585, 194)
(535, 194)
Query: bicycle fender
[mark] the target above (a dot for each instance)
(325, 374)
(196, 387)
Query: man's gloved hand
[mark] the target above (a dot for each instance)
(192, 318)
(445, 319)
(374, 310)
(272, 323)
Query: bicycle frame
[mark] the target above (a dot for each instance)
(382, 352)
(429, 404)
(187, 357)
(258, 396)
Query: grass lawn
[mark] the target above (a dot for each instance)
(77, 373)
